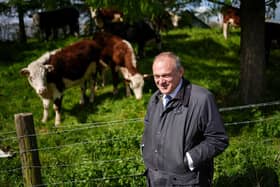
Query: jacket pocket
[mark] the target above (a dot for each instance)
(188, 179)
(162, 178)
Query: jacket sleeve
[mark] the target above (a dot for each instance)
(147, 120)
(215, 139)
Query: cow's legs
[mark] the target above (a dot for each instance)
(92, 83)
(268, 42)
(92, 88)
(47, 33)
(83, 93)
(102, 67)
(126, 75)
(57, 109)
(92, 92)
(115, 78)
(127, 88)
(225, 30)
(46, 104)
(141, 52)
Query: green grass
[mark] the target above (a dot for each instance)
(95, 150)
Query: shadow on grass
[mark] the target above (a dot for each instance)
(82, 112)
(261, 177)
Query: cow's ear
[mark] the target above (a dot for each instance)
(49, 67)
(25, 72)
(125, 73)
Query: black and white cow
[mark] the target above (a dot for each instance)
(49, 22)
(60, 69)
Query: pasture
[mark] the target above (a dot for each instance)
(98, 144)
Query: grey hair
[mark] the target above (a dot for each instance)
(170, 55)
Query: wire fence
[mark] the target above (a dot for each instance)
(117, 148)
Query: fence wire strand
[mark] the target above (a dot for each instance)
(86, 126)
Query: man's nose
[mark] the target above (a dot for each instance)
(161, 80)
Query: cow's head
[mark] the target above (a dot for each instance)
(36, 19)
(174, 19)
(96, 17)
(36, 73)
(136, 82)
(37, 77)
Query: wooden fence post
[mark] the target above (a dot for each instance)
(31, 167)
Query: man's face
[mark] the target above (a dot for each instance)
(166, 76)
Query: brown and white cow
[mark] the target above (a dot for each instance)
(60, 69)
(139, 32)
(102, 16)
(119, 55)
(231, 17)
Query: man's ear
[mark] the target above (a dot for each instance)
(182, 71)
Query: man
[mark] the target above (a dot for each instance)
(181, 138)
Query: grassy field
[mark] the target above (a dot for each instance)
(98, 145)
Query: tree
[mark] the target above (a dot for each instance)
(23, 6)
(252, 58)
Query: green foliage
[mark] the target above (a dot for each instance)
(139, 9)
(269, 128)
(145, 9)
(248, 161)
(98, 144)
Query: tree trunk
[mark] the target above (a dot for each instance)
(22, 34)
(252, 50)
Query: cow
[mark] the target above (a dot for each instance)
(272, 33)
(231, 16)
(119, 55)
(49, 22)
(105, 15)
(139, 32)
(166, 20)
(58, 70)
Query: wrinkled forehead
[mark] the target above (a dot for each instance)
(164, 64)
